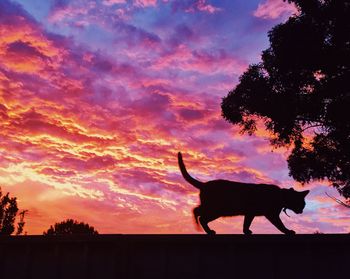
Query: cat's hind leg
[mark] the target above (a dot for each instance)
(248, 219)
(204, 220)
(196, 214)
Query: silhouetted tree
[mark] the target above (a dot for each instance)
(300, 91)
(8, 213)
(21, 223)
(70, 227)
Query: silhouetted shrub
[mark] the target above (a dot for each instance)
(70, 227)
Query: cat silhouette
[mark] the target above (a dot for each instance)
(220, 198)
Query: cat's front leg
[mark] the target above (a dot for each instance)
(290, 232)
(248, 219)
(277, 222)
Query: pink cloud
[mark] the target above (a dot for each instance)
(203, 61)
(145, 3)
(202, 6)
(205, 7)
(273, 9)
(61, 13)
(135, 37)
(113, 2)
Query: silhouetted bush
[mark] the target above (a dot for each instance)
(70, 227)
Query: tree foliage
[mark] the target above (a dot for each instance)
(300, 91)
(71, 227)
(8, 213)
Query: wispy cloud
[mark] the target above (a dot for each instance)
(113, 2)
(273, 9)
(145, 3)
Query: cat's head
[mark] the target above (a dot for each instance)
(295, 200)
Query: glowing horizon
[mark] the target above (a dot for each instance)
(97, 97)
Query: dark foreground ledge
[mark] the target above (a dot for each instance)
(175, 256)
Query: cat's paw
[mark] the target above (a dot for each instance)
(247, 232)
(290, 232)
(212, 232)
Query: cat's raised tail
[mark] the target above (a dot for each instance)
(186, 175)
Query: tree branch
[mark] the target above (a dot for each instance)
(338, 201)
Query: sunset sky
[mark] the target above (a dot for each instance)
(98, 96)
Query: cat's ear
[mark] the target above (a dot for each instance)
(305, 193)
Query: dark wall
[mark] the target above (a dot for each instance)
(175, 256)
